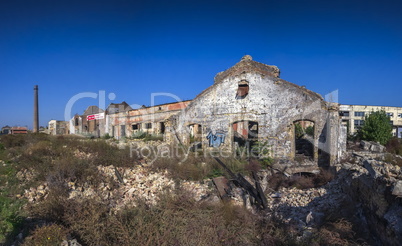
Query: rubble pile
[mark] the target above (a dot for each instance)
(138, 183)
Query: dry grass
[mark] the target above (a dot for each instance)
(47, 235)
(197, 167)
(339, 233)
(278, 180)
(177, 219)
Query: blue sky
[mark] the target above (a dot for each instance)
(135, 48)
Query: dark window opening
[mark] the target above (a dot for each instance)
(136, 127)
(242, 90)
(195, 133)
(344, 113)
(359, 123)
(76, 122)
(162, 125)
(148, 125)
(123, 130)
(359, 114)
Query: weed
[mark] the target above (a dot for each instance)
(47, 235)
(394, 146)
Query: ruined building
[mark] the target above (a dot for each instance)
(247, 104)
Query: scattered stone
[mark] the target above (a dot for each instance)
(373, 168)
(372, 146)
(397, 189)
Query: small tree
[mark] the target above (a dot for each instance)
(376, 128)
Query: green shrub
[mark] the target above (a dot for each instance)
(10, 218)
(139, 135)
(310, 131)
(153, 137)
(262, 151)
(376, 128)
(299, 131)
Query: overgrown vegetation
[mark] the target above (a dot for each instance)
(197, 166)
(376, 128)
(146, 136)
(262, 151)
(11, 217)
(55, 160)
(177, 218)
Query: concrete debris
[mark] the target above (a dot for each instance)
(397, 189)
(372, 146)
(139, 183)
(221, 184)
(373, 168)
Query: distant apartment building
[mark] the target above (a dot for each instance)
(353, 116)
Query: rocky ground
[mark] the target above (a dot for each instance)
(138, 183)
(372, 188)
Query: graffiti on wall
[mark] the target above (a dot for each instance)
(216, 140)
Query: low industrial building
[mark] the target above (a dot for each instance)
(18, 130)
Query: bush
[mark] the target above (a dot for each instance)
(139, 135)
(335, 233)
(153, 137)
(10, 141)
(299, 131)
(10, 218)
(196, 167)
(394, 146)
(47, 235)
(310, 131)
(11, 215)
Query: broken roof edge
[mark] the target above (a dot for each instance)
(158, 105)
(247, 64)
(91, 110)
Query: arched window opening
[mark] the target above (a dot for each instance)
(242, 90)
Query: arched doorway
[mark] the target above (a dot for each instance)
(304, 140)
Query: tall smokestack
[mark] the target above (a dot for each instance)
(36, 111)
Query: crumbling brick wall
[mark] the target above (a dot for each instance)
(251, 93)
